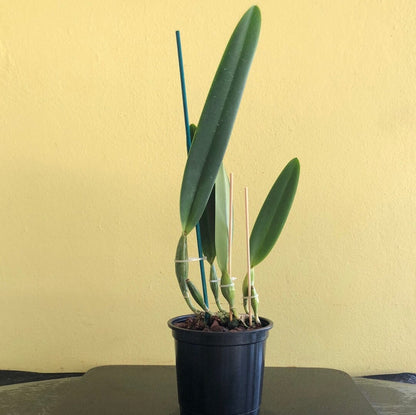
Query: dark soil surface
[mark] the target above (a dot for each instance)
(215, 323)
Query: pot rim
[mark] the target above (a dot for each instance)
(177, 319)
(220, 339)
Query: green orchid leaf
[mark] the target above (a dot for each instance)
(274, 212)
(207, 228)
(222, 209)
(192, 130)
(217, 119)
(207, 221)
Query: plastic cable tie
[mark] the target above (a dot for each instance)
(253, 296)
(227, 285)
(191, 259)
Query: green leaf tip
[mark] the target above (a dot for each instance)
(274, 212)
(217, 119)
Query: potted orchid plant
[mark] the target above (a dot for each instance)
(216, 350)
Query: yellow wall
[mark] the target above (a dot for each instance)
(92, 152)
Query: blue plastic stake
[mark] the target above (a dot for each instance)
(188, 146)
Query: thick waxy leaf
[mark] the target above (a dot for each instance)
(192, 130)
(207, 221)
(217, 119)
(222, 220)
(207, 227)
(274, 212)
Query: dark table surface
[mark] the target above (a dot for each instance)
(152, 390)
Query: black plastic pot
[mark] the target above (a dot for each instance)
(219, 373)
